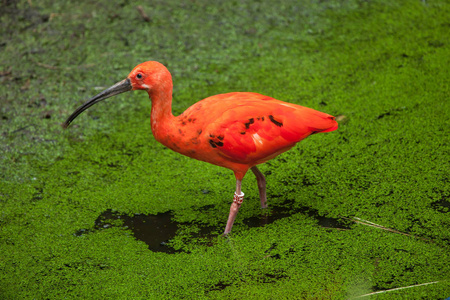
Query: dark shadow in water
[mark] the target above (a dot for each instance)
(285, 210)
(158, 230)
(441, 205)
(154, 230)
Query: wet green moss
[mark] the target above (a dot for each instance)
(381, 67)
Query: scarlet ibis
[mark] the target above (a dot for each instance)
(237, 130)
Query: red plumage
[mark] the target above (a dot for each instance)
(240, 130)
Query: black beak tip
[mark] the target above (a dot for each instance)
(119, 87)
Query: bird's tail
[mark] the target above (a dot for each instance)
(332, 124)
(320, 122)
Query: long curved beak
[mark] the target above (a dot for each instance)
(118, 88)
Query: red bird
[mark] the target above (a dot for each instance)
(235, 130)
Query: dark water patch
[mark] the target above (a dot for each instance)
(219, 286)
(287, 209)
(273, 277)
(273, 246)
(37, 196)
(154, 230)
(442, 206)
(392, 112)
(273, 256)
(267, 217)
(206, 233)
(82, 231)
(157, 231)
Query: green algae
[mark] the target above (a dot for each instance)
(380, 66)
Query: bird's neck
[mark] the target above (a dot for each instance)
(162, 119)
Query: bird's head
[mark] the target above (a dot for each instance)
(150, 76)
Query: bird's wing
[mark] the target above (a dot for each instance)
(251, 128)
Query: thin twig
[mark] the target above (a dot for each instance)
(46, 66)
(368, 223)
(395, 289)
(143, 14)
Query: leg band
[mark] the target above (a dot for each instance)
(238, 199)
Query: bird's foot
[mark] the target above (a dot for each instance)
(237, 201)
(264, 202)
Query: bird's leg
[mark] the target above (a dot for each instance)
(237, 201)
(261, 186)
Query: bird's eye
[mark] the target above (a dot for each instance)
(139, 76)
